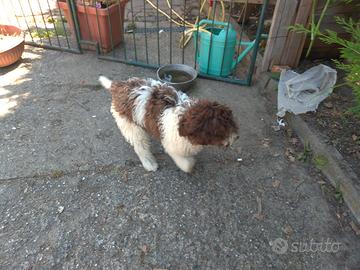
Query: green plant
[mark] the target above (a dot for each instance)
(97, 3)
(48, 33)
(320, 161)
(306, 154)
(349, 53)
(314, 26)
(338, 193)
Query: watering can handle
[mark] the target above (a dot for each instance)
(212, 22)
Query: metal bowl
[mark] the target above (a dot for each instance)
(179, 76)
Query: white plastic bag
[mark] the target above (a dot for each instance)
(300, 93)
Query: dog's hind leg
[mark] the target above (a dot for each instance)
(139, 139)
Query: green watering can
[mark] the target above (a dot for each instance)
(221, 59)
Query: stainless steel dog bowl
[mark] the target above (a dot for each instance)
(179, 76)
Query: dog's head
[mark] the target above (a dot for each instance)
(208, 123)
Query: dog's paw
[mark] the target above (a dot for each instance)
(150, 165)
(186, 164)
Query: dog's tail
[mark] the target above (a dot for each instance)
(105, 82)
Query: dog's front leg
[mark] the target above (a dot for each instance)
(139, 139)
(184, 163)
(142, 149)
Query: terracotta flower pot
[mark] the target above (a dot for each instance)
(94, 23)
(11, 44)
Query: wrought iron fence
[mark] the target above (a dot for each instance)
(43, 23)
(148, 33)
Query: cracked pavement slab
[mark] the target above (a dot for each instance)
(73, 194)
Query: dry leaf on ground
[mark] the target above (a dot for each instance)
(275, 183)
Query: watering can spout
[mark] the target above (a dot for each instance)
(249, 46)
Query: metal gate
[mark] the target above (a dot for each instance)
(147, 33)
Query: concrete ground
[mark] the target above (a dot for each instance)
(73, 194)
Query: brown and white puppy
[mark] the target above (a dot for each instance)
(182, 124)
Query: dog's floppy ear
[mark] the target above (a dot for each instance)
(207, 123)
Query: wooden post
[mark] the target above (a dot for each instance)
(284, 47)
(295, 41)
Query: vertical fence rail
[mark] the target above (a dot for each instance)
(26, 22)
(133, 25)
(53, 23)
(146, 41)
(63, 24)
(36, 26)
(211, 37)
(74, 18)
(43, 19)
(14, 12)
(121, 26)
(183, 35)
(87, 19)
(242, 25)
(226, 37)
(197, 35)
(158, 31)
(111, 31)
(100, 45)
(170, 48)
(259, 32)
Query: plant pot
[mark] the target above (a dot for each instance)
(11, 46)
(94, 23)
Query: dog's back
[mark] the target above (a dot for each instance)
(143, 101)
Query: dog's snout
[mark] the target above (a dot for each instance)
(236, 137)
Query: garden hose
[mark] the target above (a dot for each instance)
(184, 40)
(186, 37)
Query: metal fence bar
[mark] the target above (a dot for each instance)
(53, 47)
(242, 26)
(197, 35)
(133, 23)
(170, 32)
(146, 44)
(63, 24)
(87, 19)
(128, 62)
(27, 25)
(158, 30)
(43, 19)
(8, 19)
(257, 42)
(111, 31)
(98, 26)
(14, 12)
(53, 22)
(72, 6)
(32, 13)
(211, 37)
(226, 37)
(224, 79)
(183, 46)
(122, 20)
